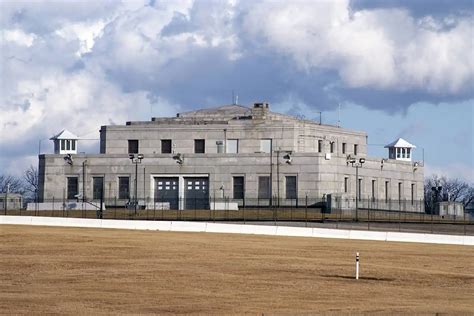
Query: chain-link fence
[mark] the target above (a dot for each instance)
(365, 214)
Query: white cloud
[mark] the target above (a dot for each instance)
(385, 49)
(18, 37)
(85, 33)
(82, 64)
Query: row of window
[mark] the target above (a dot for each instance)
(400, 152)
(68, 144)
(231, 146)
(264, 188)
(98, 188)
(374, 189)
(332, 147)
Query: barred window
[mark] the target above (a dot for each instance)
(264, 187)
(199, 146)
(124, 187)
(166, 146)
(291, 191)
(97, 187)
(72, 188)
(239, 187)
(133, 146)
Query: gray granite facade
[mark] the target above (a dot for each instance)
(236, 144)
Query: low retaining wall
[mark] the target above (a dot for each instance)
(180, 226)
(67, 206)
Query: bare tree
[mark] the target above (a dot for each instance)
(11, 183)
(455, 190)
(30, 178)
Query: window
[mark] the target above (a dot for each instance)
(73, 144)
(199, 146)
(398, 152)
(391, 153)
(124, 188)
(63, 144)
(386, 190)
(72, 188)
(373, 189)
(133, 146)
(97, 187)
(344, 148)
(320, 146)
(166, 146)
(331, 147)
(403, 152)
(264, 187)
(239, 187)
(68, 144)
(355, 149)
(408, 152)
(346, 184)
(412, 193)
(360, 189)
(291, 192)
(266, 145)
(232, 146)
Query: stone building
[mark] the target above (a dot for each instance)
(248, 155)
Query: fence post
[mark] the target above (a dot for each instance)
(243, 210)
(464, 220)
(368, 218)
(306, 210)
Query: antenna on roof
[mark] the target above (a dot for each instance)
(235, 98)
(339, 115)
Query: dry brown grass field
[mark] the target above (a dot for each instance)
(51, 270)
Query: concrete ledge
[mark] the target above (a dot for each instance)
(224, 228)
(294, 231)
(66, 222)
(259, 230)
(117, 223)
(238, 228)
(405, 237)
(444, 239)
(16, 220)
(367, 235)
(188, 227)
(468, 240)
(331, 233)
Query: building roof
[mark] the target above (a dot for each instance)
(400, 142)
(231, 110)
(64, 134)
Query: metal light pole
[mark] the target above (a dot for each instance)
(357, 164)
(136, 159)
(436, 190)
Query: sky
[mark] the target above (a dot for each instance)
(390, 68)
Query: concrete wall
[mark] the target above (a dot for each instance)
(316, 176)
(239, 229)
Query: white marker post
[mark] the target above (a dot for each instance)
(357, 266)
